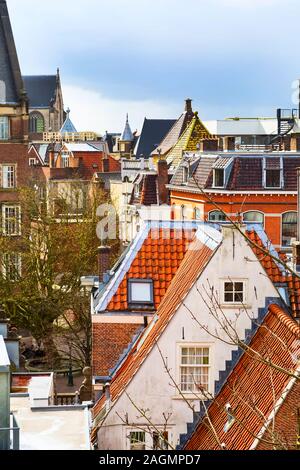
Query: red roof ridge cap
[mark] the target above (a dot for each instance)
(288, 321)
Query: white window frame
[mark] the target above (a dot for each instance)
(194, 394)
(137, 431)
(32, 161)
(17, 232)
(216, 221)
(8, 176)
(4, 128)
(285, 247)
(234, 303)
(214, 177)
(258, 212)
(281, 179)
(138, 281)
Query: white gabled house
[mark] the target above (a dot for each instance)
(220, 290)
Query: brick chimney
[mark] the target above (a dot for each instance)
(162, 181)
(105, 164)
(188, 109)
(103, 261)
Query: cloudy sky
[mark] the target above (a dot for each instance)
(144, 57)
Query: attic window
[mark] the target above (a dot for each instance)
(273, 173)
(140, 291)
(185, 174)
(219, 174)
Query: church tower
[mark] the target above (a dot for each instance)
(126, 140)
(13, 99)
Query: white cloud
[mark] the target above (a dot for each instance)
(92, 111)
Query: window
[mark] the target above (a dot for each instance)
(32, 161)
(234, 292)
(4, 128)
(11, 266)
(65, 158)
(273, 172)
(8, 176)
(194, 369)
(11, 220)
(253, 217)
(36, 123)
(197, 213)
(289, 228)
(185, 174)
(216, 216)
(160, 440)
(137, 440)
(273, 179)
(219, 174)
(140, 291)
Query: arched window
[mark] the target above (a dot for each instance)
(289, 228)
(36, 123)
(216, 216)
(253, 217)
(197, 213)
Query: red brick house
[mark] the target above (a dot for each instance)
(257, 189)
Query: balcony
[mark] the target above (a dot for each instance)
(10, 437)
(69, 136)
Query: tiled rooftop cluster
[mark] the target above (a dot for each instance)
(159, 259)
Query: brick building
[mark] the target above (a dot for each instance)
(258, 188)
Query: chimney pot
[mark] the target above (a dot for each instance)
(162, 181)
(188, 106)
(103, 262)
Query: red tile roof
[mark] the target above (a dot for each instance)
(292, 282)
(252, 388)
(190, 269)
(159, 259)
(149, 193)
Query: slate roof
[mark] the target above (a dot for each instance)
(246, 173)
(10, 75)
(41, 90)
(188, 141)
(190, 269)
(253, 388)
(153, 131)
(127, 134)
(68, 126)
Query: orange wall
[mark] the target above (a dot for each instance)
(271, 205)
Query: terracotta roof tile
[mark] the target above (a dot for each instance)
(251, 387)
(159, 259)
(191, 267)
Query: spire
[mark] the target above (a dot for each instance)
(127, 135)
(68, 126)
(11, 83)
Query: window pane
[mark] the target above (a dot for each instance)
(140, 291)
(216, 216)
(4, 128)
(238, 297)
(228, 297)
(239, 286)
(289, 228)
(219, 178)
(273, 178)
(253, 217)
(228, 286)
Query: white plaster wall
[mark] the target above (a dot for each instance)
(151, 387)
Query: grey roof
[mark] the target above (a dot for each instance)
(153, 131)
(41, 90)
(68, 126)
(11, 84)
(127, 135)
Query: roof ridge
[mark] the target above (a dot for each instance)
(286, 319)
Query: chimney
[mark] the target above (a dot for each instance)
(107, 396)
(229, 144)
(105, 165)
(188, 109)
(162, 181)
(103, 262)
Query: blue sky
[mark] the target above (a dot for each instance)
(144, 57)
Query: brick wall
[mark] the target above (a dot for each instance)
(109, 341)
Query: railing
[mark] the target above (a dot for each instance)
(69, 136)
(257, 148)
(10, 437)
(66, 399)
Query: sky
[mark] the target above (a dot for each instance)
(144, 57)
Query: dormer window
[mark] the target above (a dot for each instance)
(273, 173)
(221, 172)
(140, 292)
(185, 174)
(219, 178)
